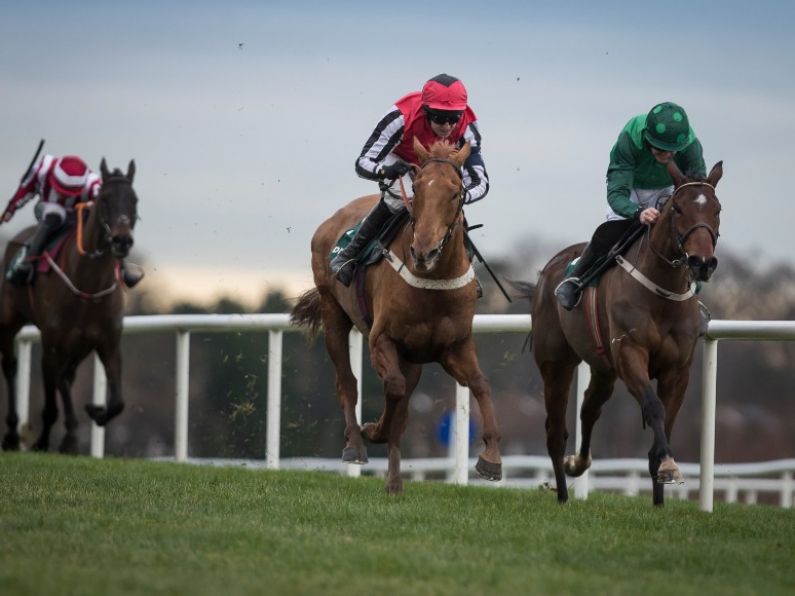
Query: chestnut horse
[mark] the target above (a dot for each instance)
(422, 299)
(77, 307)
(648, 325)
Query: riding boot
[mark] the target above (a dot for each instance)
(343, 265)
(569, 291)
(23, 266)
(130, 275)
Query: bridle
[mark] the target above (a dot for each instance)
(460, 195)
(107, 237)
(679, 239)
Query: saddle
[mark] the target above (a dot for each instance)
(54, 247)
(377, 247)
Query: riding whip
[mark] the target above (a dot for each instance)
(27, 171)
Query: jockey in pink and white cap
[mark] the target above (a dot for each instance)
(60, 183)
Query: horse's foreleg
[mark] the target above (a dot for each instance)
(11, 438)
(337, 326)
(598, 392)
(671, 387)
(633, 364)
(390, 426)
(462, 364)
(50, 412)
(110, 356)
(69, 442)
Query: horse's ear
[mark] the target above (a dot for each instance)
(715, 173)
(676, 174)
(420, 151)
(131, 170)
(103, 169)
(462, 154)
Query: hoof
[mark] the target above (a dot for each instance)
(488, 470)
(68, 445)
(369, 432)
(395, 487)
(573, 465)
(11, 442)
(352, 455)
(41, 445)
(102, 415)
(670, 477)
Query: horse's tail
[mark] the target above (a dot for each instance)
(306, 312)
(522, 290)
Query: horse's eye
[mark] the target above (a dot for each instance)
(677, 209)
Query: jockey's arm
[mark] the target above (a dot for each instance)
(620, 178)
(377, 151)
(476, 179)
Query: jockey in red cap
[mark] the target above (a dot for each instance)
(438, 112)
(61, 183)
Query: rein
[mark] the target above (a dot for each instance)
(79, 208)
(74, 288)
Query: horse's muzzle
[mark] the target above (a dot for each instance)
(425, 262)
(702, 268)
(121, 244)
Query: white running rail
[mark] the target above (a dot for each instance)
(276, 324)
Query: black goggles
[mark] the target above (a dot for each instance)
(442, 117)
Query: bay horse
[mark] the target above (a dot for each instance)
(421, 297)
(77, 306)
(647, 323)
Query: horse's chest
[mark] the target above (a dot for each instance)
(425, 338)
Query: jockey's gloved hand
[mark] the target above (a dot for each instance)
(395, 170)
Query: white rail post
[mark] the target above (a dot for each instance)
(583, 378)
(181, 417)
(99, 398)
(273, 431)
(23, 384)
(709, 380)
(460, 436)
(356, 351)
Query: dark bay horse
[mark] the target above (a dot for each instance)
(77, 307)
(644, 335)
(422, 300)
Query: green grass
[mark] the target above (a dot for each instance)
(83, 526)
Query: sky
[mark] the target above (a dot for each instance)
(245, 118)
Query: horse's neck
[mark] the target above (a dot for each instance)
(647, 256)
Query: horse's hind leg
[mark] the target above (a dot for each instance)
(598, 392)
(110, 356)
(49, 368)
(11, 438)
(462, 364)
(336, 327)
(69, 441)
(557, 376)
